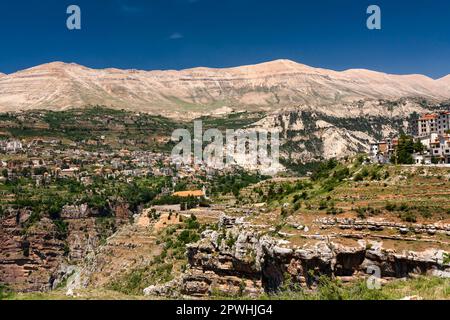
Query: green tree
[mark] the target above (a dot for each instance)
(405, 150)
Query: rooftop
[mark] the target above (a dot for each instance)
(193, 193)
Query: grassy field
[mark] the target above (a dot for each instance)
(427, 288)
(404, 195)
(430, 288)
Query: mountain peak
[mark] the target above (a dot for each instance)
(57, 65)
(284, 62)
(278, 66)
(61, 64)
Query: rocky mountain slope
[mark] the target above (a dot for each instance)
(313, 132)
(268, 86)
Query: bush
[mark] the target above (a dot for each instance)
(323, 204)
(391, 207)
(324, 169)
(62, 228)
(367, 211)
(447, 258)
(231, 240)
(5, 292)
(425, 212)
(192, 223)
(408, 217)
(188, 236)
(297, 206)
(334, 211)
(341, 174)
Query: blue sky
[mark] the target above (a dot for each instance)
(176, 34)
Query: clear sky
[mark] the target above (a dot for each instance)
(176, 34)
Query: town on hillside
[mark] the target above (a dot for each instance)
(428, 145)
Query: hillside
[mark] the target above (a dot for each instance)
(267, 86)
(307, 133)
(346, 217)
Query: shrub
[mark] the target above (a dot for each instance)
(231, 240)
(61, 228)
(5, 292)
(341, 174)
(425, 212)
(323, 204)
(390, 207)
(409, 217)
(334, 211)
(447, 258)
(192, 223)
(361, 213)
(188, 236)
(367, 211)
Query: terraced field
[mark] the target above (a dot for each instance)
(404, 207)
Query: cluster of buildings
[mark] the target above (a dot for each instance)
(11, 146)
(432, 131)
(437, 149)
(47, 161)
(382, 151)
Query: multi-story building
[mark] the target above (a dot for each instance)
(433, 123)
(440, 149)
(11, 145)
(437, 149)
(382, 151)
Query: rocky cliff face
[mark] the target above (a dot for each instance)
(238, 260)
(200, 91)
(32, 254)
(27, 260)
(313, 133)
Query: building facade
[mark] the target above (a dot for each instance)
(433, 123)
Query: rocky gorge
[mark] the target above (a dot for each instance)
(34, 250)
(236, 260)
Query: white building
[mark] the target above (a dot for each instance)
(11, 146)
(433, 123)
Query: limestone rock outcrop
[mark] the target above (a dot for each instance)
(236, 260)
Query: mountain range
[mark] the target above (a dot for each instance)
(266, 87)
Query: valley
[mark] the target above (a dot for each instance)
(92, 205)
(274, 237)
